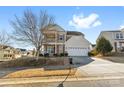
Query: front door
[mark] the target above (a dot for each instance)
(50, 49)
(122, 46)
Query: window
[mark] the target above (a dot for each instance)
(117, 36)
(61, 37)
(121, 35)
(5, 55)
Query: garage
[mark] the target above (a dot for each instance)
(76, 51)
(77, 46)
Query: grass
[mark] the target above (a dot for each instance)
(38, 72)
(115, 59)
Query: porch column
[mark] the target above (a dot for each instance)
(115, 45)
(45, 47)
(55, 42)
(55, 48)
(63, 48)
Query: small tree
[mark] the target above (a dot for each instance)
(103, 46)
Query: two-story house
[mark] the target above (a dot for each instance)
(8, 53)
(54, 40)
(116, 39)
(57, 40)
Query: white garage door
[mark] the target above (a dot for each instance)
(73, 51)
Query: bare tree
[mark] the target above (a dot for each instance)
(4, 38)
(29, 28)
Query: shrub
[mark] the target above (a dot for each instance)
(23, 62)
(61, 54)
(33, 62)
(103, 46)
(40, 55)
(46, 55)
(92, 53)
(66, 54)
(122, 50)
(55, 55)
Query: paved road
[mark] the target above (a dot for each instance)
(5, 71)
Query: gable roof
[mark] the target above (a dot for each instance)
(5, 46)
(111, 31)
(108, 32)
(54, 27)
(76, 33)
(77, 41)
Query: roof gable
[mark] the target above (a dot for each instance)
(77, 41)
(76, 33)
(55, 27)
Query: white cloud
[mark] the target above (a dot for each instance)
(121, 27)
(97, 23)
(79, 21)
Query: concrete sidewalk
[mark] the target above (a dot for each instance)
(15, 81)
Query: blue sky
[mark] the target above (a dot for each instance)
(90, 20)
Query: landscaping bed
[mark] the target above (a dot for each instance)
(32, 62)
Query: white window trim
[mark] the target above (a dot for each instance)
(62, 36)
(119, 35)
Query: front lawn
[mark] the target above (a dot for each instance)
(115, 59)
(39, 72)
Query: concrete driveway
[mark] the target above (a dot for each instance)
(95, 67)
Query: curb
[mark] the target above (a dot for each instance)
(46, 79)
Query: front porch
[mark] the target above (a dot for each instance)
(119, 46)
(53, 48)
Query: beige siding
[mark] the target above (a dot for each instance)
(111, 36)
(77, 41)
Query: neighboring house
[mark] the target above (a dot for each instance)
(8, 53)
(23, 52)
(116, 39)
(30, 53)
(57, 41)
